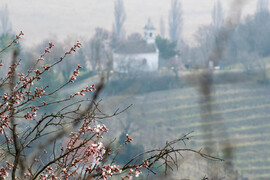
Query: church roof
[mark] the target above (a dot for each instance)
(135, 47)
(149, 25)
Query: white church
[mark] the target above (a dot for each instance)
(137, 55)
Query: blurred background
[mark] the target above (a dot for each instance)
(184, 65)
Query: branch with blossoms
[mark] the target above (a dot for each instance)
(15, 41)
(168, 154)
(66, 143)
(20, 104)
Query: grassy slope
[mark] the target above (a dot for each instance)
(240, 110)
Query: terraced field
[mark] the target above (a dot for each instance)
(241, 113)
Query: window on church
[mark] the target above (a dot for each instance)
(151, 34)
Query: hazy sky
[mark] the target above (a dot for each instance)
(48, 19)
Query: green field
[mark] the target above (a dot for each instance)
(241, 111)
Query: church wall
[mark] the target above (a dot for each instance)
(136, 62)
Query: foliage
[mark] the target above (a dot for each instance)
(250, 38)
(167, 48)
(247, 42)
(142, 83)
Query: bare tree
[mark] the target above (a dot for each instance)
(262, 5)
(205, 38)
(205, 35)
(175, 21)
(262, 10)
(135, 37)
(5, 25)
(98, 52)
(162, 27)
(217, 16)
(120, 17)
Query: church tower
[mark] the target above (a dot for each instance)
(149, 32)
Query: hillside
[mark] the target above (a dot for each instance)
(240, 112)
